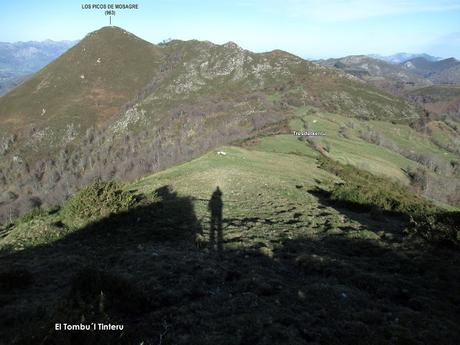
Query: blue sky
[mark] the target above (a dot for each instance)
(308, 28)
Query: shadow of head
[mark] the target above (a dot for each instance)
(215, 203)
(166, 193)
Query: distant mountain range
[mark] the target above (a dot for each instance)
(445, 71)
(20, 59)
(391, 77)
(403, 57)
(417, 71)
(424, 79)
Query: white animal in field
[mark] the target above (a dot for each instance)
(221, 153)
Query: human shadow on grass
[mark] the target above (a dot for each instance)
(215, 207)
(334, 290)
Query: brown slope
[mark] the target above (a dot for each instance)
(440, 99)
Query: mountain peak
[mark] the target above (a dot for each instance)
(111, 32)
(97, 76)
(232, 45)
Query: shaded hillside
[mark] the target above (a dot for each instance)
(439, 99)
(117, 106)
(440, 72)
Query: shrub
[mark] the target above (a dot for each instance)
(99, 199)
(438, 227)
(418, 178)
(345, 131)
